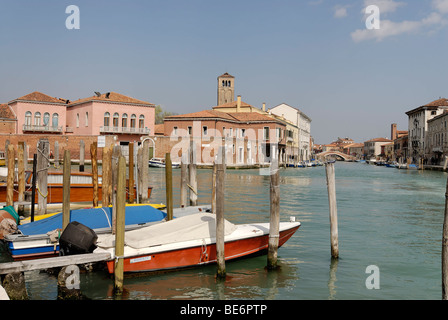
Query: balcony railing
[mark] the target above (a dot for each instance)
(36, 128)
(124, 130)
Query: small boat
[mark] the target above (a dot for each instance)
(39, 239)
(189, 241)
(412, 167)
(160, 163)
(81, 187)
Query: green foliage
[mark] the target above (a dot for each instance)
(160, 114)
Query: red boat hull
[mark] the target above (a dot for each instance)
(200, 255)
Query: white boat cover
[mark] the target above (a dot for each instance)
(192, 227)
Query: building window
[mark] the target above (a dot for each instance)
(133, 119)
(141, 121)
(243, 133)
(28, 116)
(37, 119)
(266, 133)
(204, 130)
(190, 130)
(46, 119)
(77, 120)
(87, 119)
(115, 120)
(124, 120)
(175, 131)
(106, 119)
(55, 121)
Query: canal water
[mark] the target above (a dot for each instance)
(388, 218)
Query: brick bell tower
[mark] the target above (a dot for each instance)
(226, 88)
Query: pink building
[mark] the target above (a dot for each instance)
(103, 114)
(111, 114)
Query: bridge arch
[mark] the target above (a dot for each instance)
(344, 156)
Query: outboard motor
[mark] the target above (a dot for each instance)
(77, 239)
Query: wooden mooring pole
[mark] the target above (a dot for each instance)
(331, 186)
(66, 190)
(10, 179)
(445, 249)
(169, 186)
(220, 177)
(106, 176)
(192, 168)
(274, 223)
(120, 225)
(33, 186)
(131, 173)
(93, 155)
(184, 180)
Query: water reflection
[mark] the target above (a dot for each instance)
(246, 279)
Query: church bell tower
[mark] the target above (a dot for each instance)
(226, 88)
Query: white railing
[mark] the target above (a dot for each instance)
(27, 127)
(126, 130)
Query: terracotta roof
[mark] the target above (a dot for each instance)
(442, 102)
(379, 140)
(203, 114)
(226, 75)
(251, 116)
(232, 104)
(39, 97)
(6, 112)
(112, 97)
(159, 129)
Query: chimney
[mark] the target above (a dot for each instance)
(238, 104)
(264, 106)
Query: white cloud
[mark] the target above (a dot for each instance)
(389, 28)
(440, 5)
(340, 12)
(385, 6)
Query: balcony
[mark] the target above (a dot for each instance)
(124, 130)
(47, 129)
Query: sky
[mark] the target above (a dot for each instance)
(315, 55)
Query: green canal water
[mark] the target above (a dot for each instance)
(388, 218)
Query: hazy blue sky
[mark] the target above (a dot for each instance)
(316, 55)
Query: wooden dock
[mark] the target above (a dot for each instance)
(62, 261)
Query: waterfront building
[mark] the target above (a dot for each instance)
(418, 126)
(299, 131)
(249, 137)
(36, 115)
(355, 149)
(436, 140)
(372, 147)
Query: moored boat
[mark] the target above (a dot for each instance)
(190, 241)
(39, 239)
(81, 187)
(160, 163)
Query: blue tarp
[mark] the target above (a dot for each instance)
(94, 218)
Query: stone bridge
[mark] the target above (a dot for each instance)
(346, 157)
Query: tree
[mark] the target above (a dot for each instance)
(160, 114)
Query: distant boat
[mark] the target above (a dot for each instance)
(160, 163)
(190, 241)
